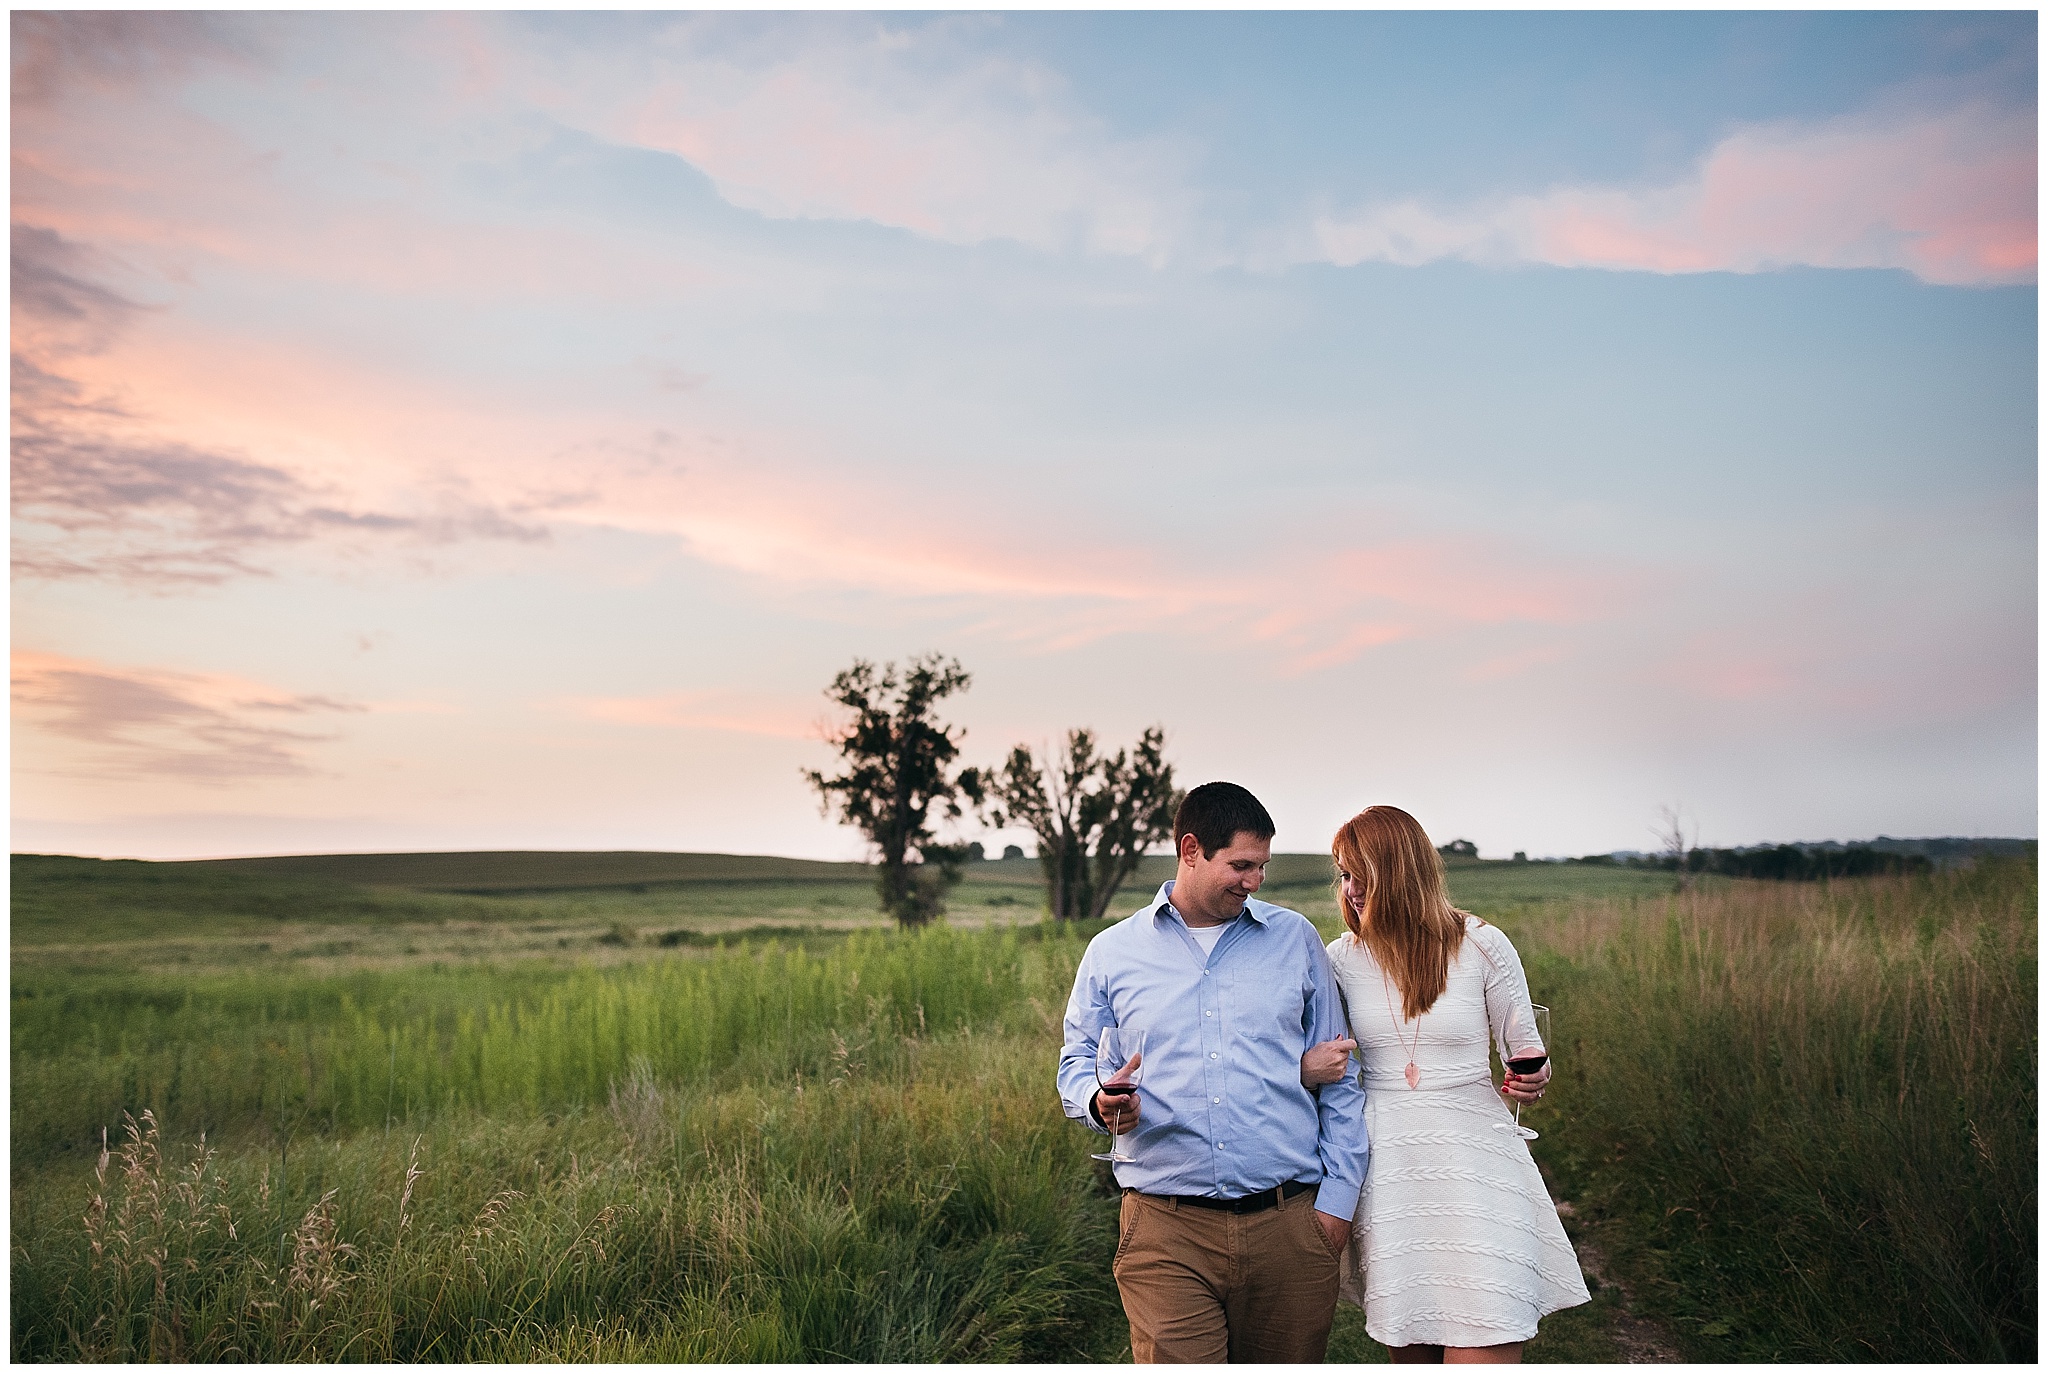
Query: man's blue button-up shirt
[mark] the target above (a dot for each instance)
(1222, 1109)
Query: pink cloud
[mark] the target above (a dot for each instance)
(1917, 654)
(1330, 609)
(697, 711)
(209, 728)
(1749, 678)
(353, 452)
(1061, 588)
(864, 120)
(113, 51)
(173, 445)
(102, 491)
(1948, 196)
(1345, 647)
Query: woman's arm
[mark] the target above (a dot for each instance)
(1508, 1013)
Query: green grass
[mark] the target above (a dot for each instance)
(218, 1053)
(716, 1117)
(1803, 1116)
(753, 1152)
(899, 1216)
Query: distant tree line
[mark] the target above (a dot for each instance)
(1791, 863)
(1797, 864)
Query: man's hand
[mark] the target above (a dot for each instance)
(1524, 1087)
(1327, 1062)
(1336, 1228)
(1118, 1111)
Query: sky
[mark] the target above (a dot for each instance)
(494, 431)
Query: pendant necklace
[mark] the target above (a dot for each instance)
(1411, 1073)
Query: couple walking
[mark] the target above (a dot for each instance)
(1264, 1177)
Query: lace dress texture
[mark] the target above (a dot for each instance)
(1456, 1240)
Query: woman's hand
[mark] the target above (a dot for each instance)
(1525, 1087)
(1326, 1063)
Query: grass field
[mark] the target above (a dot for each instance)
(706, 1107)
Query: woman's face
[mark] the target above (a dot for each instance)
(1353, 889)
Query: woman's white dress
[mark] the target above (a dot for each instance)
(1456, 1240)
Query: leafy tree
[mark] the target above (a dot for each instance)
(898, 755)
(1094, 817)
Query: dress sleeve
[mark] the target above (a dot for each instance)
(1508, 1016)
(1333, 949)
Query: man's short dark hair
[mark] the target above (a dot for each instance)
(1217, 813)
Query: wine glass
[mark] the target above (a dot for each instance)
(1119, 1064)
(1529, 1061)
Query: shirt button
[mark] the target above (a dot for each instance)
(1208, 1013)
(1212, 1054)
(1216, 1099)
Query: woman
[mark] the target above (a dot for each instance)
(1456, 1250)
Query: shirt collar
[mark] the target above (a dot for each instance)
(1253, 907)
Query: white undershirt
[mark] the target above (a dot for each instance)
(1207, 936)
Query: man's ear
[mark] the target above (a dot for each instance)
(1190, 849)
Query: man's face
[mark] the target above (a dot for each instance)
(1213, 889)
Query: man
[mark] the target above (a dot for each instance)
(1240, 1195)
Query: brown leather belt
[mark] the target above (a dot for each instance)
(1255, 1202)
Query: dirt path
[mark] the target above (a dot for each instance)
(1639, 1339)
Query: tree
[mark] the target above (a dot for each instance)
(897, 755)
(1677, 838)
(1094, 817)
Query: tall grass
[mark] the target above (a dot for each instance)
(1803, 1117)
(914, 1216)
(1810, 1107)
(286, 1053)
(757, 1154)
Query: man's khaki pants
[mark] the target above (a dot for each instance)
(1202, 1286)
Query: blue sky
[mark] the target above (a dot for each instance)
(475, 431)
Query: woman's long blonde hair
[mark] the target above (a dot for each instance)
(1408, 922)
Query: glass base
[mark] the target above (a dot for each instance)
(1522, 1131)
(1116, 1158)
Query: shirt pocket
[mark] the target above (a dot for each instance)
(1269, 1011)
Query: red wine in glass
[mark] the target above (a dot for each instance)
(1529, 1061)
(1119, 1064)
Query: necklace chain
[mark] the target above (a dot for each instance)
(1411, 1073)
